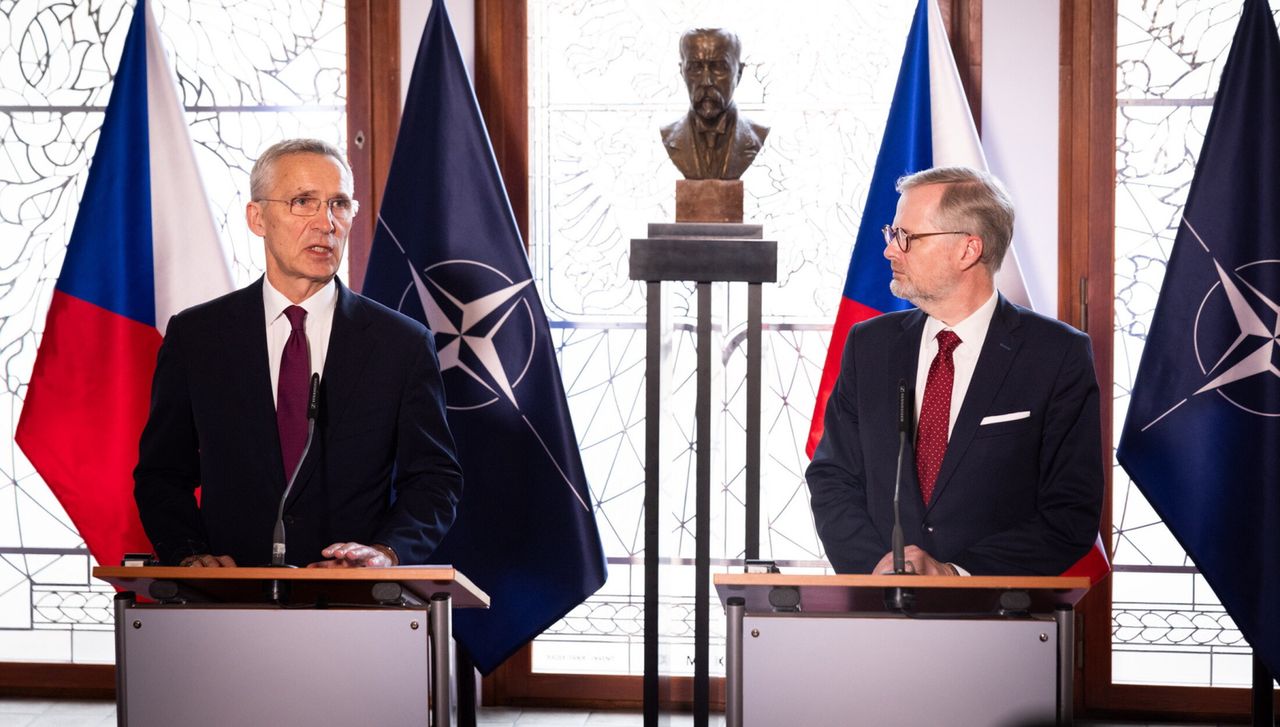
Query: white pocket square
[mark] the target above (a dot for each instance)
(1010, 417)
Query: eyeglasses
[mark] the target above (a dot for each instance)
(904, 238)
(343, 208)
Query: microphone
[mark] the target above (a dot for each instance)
(277, 537)
(904, 418)
(898, 598)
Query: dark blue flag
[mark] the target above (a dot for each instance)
(1202, 437)
(447, 252)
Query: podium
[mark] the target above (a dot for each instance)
(839, 650)
(285, 646)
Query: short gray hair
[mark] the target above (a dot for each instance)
(974, 199)
(260, 175)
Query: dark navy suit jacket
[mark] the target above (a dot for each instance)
(382, 467)
(1016, 497)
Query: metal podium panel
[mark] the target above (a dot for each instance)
(306, 667)
(886, 671)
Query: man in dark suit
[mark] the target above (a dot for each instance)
(712, 141)
(1005, 476)
(380, 482)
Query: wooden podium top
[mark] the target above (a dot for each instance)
(933, 594)
(335, 585)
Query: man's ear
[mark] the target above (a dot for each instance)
(972, 253)
(741, 67)
(253, 216)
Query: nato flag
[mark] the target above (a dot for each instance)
(447, 252)
(1201, 436)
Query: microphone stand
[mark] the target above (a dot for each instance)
(898, 598)
(278, 589)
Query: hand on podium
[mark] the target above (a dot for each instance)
(204, 560)
(356, 555)
(916, 561)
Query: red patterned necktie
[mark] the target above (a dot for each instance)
(292, 390)
(935, 414)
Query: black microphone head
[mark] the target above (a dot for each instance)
(313, 398)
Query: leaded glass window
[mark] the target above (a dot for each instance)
(1168, 627)
(250, 73)
(602, 78)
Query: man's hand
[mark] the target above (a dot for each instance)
(204, 560)
(915, 560)
(355, 555)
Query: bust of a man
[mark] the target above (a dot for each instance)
(712, 141)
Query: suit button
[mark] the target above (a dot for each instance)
(928, 529)
(288, 519)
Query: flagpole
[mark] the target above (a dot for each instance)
(1264, 696)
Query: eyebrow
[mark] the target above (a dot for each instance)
(316, 193)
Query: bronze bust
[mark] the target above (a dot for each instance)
(712, 141)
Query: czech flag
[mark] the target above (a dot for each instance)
(929, 125)
(143, 247)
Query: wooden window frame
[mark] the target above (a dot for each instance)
(502, 90)
(1086, 299)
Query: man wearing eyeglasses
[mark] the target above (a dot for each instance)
(1004, 476)
(379, 483)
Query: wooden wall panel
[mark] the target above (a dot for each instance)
(373, 115)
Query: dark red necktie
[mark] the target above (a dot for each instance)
(292, 389)
(935, 413)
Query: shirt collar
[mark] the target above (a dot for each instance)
(274, 302)
(972, 329)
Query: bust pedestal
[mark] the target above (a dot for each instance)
(709, 200)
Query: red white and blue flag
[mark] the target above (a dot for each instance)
(143, 247)
(929, 125)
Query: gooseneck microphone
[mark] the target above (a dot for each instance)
(313, 408)
(899, 564)
(898, 598)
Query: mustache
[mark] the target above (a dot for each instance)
(705, 93)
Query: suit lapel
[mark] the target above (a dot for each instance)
(248, 333)
(350, 344)
(994, 362)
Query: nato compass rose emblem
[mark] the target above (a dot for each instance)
(483, 327)
(1236, 337)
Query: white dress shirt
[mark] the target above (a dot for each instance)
(972, 332)
(319, 325)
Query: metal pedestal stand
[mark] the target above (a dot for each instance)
(704, 253)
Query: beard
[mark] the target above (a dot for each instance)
(921, 297)
(905, 290)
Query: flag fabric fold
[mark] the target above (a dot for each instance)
(929, 125)
(447, 252)
(1200, 438)
(143, 246)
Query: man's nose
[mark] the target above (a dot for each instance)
(326, 220)
(891, 252)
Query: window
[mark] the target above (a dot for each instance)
(602, 78)
(1168, 627)
(288, 78)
